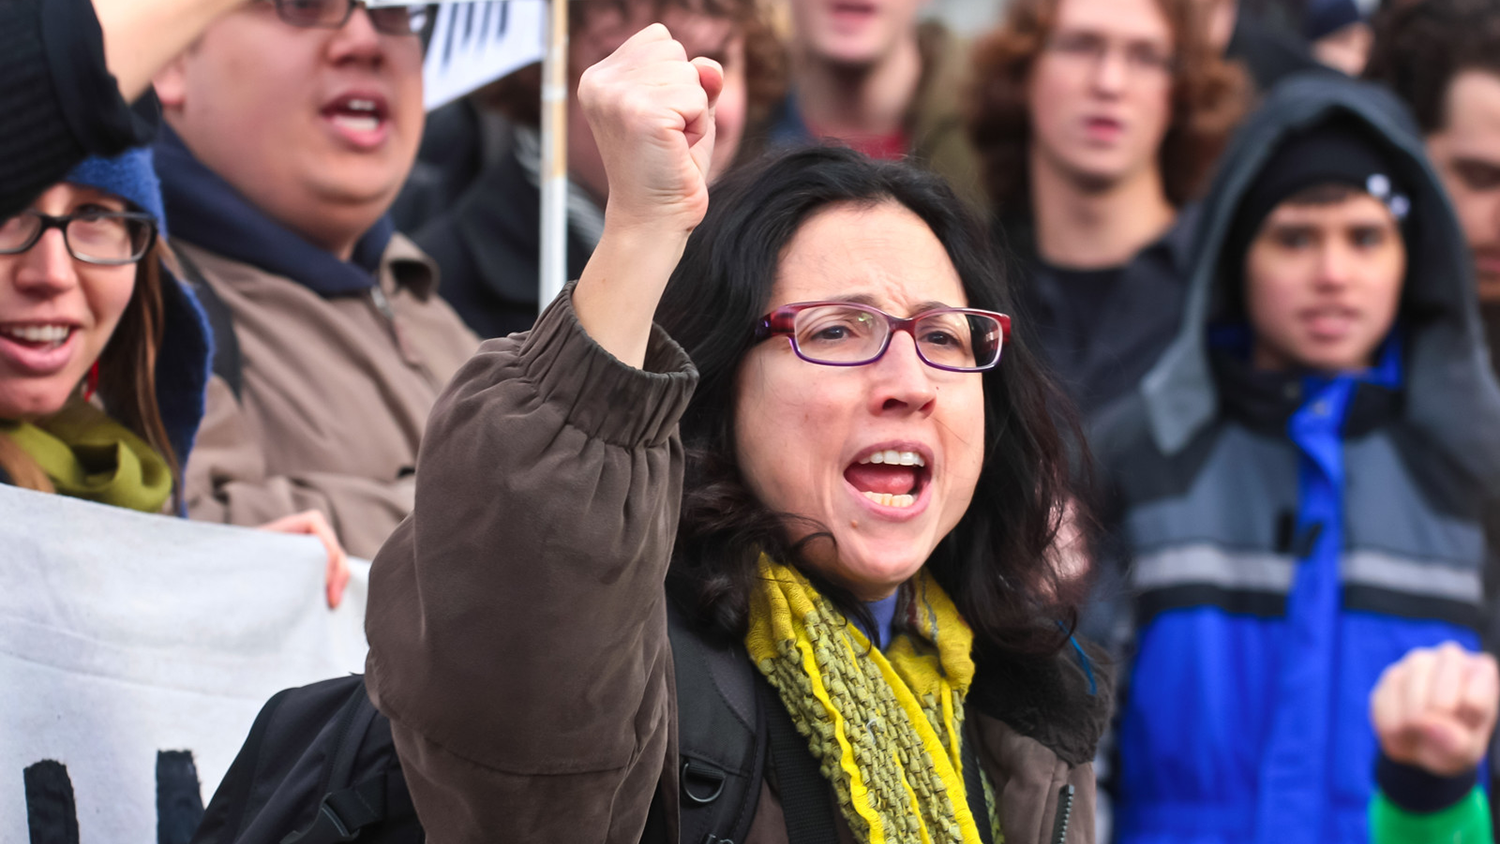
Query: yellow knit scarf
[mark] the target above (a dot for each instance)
(886, 727)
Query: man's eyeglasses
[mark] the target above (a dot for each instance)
(333, 14)
(110, 238)
(848, 334)
(1141, 57)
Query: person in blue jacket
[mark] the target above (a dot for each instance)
(1298, 483)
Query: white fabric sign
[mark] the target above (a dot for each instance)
(123, 634)
(476, 43)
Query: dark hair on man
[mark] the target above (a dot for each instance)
(1209, 96)
(1421, 46)
(999, 564)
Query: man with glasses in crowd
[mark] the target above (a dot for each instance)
(1095, 122)
(290, 127)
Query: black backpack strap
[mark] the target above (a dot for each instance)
(354, 719)
(343, 815)
(721, 739)
(227, 363)
(806, 797)
(347, 809)
(974, 784)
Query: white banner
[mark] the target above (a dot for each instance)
(473, 44)
(125, 635)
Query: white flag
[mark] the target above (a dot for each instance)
(476, 43)
(125, 635)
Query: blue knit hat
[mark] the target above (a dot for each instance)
(184, 361)
(129, 176)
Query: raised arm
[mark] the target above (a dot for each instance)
(652, 113)
(140, 36)
(517, 619)
(70, 69)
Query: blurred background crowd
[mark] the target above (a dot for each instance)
(272, 260)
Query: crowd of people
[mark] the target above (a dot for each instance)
(1093, 418)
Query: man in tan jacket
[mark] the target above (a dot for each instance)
(290, 129)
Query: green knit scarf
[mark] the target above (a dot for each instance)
(86, 454)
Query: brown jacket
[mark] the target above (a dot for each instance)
(517, 620)
(334, 396)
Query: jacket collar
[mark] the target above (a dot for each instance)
(1063, 701)
(1266, 401)
(207, 211)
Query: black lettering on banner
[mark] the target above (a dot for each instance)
(50, 813)
(179, 797)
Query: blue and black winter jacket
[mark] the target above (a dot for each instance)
(1289, 536)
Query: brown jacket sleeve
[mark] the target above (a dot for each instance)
(517, 621)
(227, 481)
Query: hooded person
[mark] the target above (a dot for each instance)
(130, 334)
(1298, 482)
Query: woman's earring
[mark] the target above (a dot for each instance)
(91, 386)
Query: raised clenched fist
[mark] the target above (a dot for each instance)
(652, 114)
(1435, 709)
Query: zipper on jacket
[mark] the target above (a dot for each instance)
(383, 305)
(1064, 814)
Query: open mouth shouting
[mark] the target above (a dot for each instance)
(362, 120)
(892, 478)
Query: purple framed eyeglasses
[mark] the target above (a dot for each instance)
(850, 334)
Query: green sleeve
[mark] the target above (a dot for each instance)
(1466, 822)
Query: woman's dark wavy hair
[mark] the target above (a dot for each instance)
(998, 564)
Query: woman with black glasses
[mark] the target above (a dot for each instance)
(83, 309)
(802, 430)
(104, 355)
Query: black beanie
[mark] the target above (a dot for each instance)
(1325, 17)
(1338, 152)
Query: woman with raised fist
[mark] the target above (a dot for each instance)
(779, 423)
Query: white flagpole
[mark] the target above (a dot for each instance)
(554, 257)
